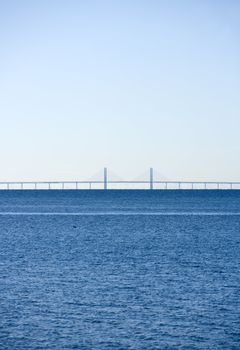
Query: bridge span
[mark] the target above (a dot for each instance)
(107, 184)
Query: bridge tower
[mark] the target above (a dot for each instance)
(151, 179)
(105, 178)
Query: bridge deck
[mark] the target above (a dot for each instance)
(37, 185)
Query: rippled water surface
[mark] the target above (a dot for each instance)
(119, 270)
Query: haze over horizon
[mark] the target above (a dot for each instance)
(127, 85)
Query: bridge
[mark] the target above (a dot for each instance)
(105, 183)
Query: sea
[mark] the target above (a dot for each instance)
(120, 269)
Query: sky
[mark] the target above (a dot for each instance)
(127, 84)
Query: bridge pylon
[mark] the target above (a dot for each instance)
(151, 179)
(105, 178)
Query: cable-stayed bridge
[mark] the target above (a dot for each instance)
(150, 180)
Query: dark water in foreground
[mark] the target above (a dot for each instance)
(120, 270)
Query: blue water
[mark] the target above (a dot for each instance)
(120, 270)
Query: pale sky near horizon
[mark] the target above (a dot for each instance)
(125, 84)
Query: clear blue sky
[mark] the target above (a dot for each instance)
(125, 84)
